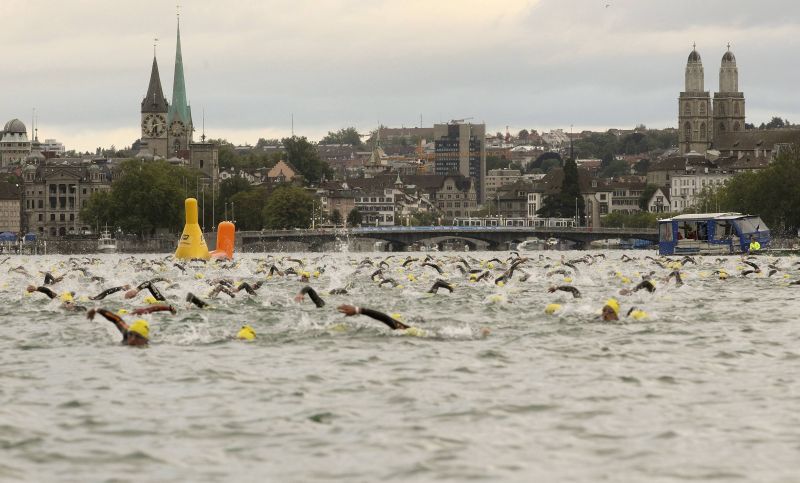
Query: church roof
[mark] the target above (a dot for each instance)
(154, 100)
(756, 139)
(179, 109)
(694, 56)
(15, 126)
(728, 57)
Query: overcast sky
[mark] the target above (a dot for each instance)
(251, 64)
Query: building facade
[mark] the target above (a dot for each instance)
(461, 149)
(55, 192)
(9, 207)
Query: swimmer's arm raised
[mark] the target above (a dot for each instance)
(111, 317)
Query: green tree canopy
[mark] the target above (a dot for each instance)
(336, 217)
(563, 204)
(249, 208)
(304, 156)
(288, 207)
(348, 135)
(770, 193)
(146, 197)
(354, 217)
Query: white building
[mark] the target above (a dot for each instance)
(685, 188)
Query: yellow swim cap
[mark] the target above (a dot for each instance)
(614, 305)
(66, 297)
(397, 316)
(473, 277)
(140, 327)
(490, 265)
(638, 314)
(122, 312)
(552, 308)
(415, 332)
(567, 279)
(150, 300)
(198, 276)
(411, 277)
(246, 333)
(316, 274)
(501, 284)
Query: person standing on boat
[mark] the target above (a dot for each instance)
(755, 247)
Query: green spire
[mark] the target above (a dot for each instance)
(179, 108)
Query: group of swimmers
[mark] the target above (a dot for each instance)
(496, 271)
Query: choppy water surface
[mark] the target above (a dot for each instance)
(705, 388)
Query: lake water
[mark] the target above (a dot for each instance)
(491, 388)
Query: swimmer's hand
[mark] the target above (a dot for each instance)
(299, 298)
(348, 310)
(31, 289)
(90, 314)
(131, 293)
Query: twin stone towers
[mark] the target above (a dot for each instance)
(700, 122)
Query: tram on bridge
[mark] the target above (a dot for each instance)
(516, 222)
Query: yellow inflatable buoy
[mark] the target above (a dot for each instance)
(192, 244)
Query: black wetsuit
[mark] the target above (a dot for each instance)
(312, 294)
(190, 297)
(567, 288)
(440, 284)
(107, 292)
(386, 319)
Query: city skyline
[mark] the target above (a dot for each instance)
(540, 64)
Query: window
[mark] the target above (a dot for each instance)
(62, 217)
(687, 131)
(41, 217)
(52, 217)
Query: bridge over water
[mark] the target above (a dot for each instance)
(400, 237)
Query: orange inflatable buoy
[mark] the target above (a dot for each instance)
(226, 240)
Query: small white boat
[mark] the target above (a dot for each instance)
(106, 244)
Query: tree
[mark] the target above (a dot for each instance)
(336, 217)
(228, 188)
(422, 218)
(523, 135)
(642, 219)
(493, 162)
(348, 135)
(249, 205)
(776, 123)
(618, 167)
(565, 203)
(354, 217)
(305, 157)
(288, 207)
(146, 197)
(648, 192)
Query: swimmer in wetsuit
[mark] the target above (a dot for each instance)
(439, 283)
(149, 285)
(66, 298)
(566, 288)
(137, 334)
(105, 293)
(312, 294)
(350, 310)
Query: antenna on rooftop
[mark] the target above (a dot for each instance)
(203, 136)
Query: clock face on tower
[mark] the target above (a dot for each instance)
(176, 128)
(154, 125)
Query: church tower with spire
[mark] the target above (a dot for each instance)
(728, 101)
(154, 115)
(694, 109)
(179, 117)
